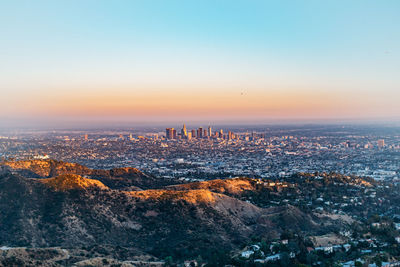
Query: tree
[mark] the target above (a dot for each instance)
(285, 259)
(168, 261)
(312, 258)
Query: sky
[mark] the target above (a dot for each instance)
(158, 61)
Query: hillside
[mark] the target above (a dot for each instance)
(72, 211)
(67, 182)
(326, 179)
(116, 178)
(46, 168)
(234, 186)
(120, 216)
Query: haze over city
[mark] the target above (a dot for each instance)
(108, 63)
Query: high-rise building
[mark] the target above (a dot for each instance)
(174, 134)
(209, 131)
(230, 135)
(381, 143)
(169, 133)
(200, 132)
(184, 132)
(193, 133)
(189, 135)
(86, 137)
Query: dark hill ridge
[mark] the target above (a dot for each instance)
(72, 211)
(116, 178)
(324, 179)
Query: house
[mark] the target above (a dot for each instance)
(255, 247)
(273, 257)
(346, 247)
(310, 249)
(326, 250)
(190, 263)
(246, 254)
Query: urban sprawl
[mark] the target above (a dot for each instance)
(201, 153)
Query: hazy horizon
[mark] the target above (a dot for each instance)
(118, 124)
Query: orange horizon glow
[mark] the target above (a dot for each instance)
(202, 104)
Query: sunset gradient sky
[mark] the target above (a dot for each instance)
(136, 61)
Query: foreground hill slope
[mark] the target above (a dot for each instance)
(72, 211)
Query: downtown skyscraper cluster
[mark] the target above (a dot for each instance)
(172, 133)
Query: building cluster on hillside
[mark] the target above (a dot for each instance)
(370, 235)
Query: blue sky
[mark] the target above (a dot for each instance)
(343, 50)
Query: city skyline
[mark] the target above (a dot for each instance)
(172, 133)
(102, 63)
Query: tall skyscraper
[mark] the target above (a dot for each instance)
(230, 135)
(169, 133)
(184, 132)
(200, 132)
(209, 131)
(193, 133)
